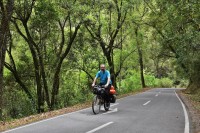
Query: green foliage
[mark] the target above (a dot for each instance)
(164, 83)
(133, 82)
(183, 84)
(72, 92)
(17, 104)
(152, 81)
(169, 34)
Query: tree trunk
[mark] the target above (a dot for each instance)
(140, 59)
(6, 12)
(56, 79)
(56, 84)
(194, 83)
(2, 60)
(43, 74)
(193, 87)
(36, 62)
(112, 70)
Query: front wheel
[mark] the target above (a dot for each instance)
(96, 105)
(106, 105)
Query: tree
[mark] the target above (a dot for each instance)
(178, 28)
(54, 48)
(23, 13)
(106, 32)
(6, 10)
(12, 67)
(140, 53)
(63, 51)
(35, 28)
(137, 18)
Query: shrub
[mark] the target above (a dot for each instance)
(150, 81)
(131, 83)
(164, 83)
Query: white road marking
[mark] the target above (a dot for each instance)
(187, 124)
(147, 102)
(114, 104)
(102, 107)
(159, 92)
(111, 111)
(156, 95)
(100, 127)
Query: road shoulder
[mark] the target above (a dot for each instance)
(194, 113)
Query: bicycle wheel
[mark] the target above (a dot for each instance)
(96, 105)
(106, 105)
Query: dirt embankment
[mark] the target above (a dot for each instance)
(193, 110)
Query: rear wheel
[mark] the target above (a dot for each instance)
(96, 105)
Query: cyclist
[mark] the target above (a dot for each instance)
(105, 79)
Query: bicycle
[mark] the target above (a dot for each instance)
(99, 99)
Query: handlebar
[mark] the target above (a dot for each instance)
(99, 86)
(98, 89)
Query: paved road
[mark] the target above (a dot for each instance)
(154, 111)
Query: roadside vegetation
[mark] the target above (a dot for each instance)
(51, 50)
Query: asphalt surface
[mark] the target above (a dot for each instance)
(154, 111)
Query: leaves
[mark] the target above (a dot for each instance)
(57, 46)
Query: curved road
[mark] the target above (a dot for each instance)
(154, 111)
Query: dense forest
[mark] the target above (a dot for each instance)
(50, 50)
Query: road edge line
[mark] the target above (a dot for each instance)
(44, 120)
(187, 124)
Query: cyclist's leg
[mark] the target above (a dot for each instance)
(108, 92)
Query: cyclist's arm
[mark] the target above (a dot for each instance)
(108, 81)
(95, 79)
